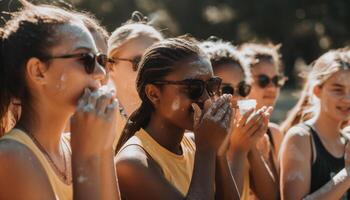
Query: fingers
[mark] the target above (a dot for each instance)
(84, 99)
(214, 108)
(111, 109)
(101, 104)
(221, 112)
(197, 115)
(245, 117)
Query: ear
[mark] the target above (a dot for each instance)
(317, 91)
(36, 70)
(153, 94)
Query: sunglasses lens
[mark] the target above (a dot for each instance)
(195, 89)
(213, 86)
(102, 60)
(263, 81)
(227, 89)
(244, 89)
(89, 63)
(278, 81)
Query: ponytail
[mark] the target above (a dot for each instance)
(137, 120)
(4, 97)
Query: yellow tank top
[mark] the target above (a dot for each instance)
(246, 189)
(177, 169)
(62, 190)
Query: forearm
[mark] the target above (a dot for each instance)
(264, 182)
(94, 177)
(203, 177)
(237, 165)
(109, 182)
(225, 184)
(334, 189)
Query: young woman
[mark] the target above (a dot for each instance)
(229, 64)
(265, 65)
(175, 83)
(48, 59)
(126, 46)
(315, 154)
(100, 36)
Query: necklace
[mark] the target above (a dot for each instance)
(66, 174)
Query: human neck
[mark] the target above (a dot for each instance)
(45, 125)
(327, 126)
(165, 134)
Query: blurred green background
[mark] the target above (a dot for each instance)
(305, 28)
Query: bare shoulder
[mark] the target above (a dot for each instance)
(22, 172)
(133, 153)
(297, 138)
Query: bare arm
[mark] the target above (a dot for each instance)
(245, 134)
(21, 174)
(93, 133)
(264, 183)
(226, 187)
(296, 170)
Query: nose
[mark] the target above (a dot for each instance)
(100, 73)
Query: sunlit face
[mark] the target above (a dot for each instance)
(264, 96)
(231, 75)
(175, 103)
(67, 78)
(335, 96)
(123, 74)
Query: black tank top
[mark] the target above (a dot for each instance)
(325, 166)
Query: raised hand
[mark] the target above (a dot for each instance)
(93, 124)
(213, 124)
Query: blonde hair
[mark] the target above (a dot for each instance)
(136, 27)
(324, 67)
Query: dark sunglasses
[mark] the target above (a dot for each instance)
(196, 87)
(134, 61)
(242, 89)
(89, 60)
(278, 80)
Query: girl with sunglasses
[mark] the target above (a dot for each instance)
(156, 157)
(264, 62)
(229, 64)
(48, 61)
(315, 155)
(125, 48)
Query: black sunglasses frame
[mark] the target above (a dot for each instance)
(89, 60)
(134, 61)
(243, 89)
(204, 85)
(278, 81)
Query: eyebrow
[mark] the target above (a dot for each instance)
(337, 85)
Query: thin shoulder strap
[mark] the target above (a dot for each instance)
(312, 141)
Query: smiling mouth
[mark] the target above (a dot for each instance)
(343, 109)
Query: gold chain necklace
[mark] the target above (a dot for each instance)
(65, 175)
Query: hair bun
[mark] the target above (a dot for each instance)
(138, 17)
